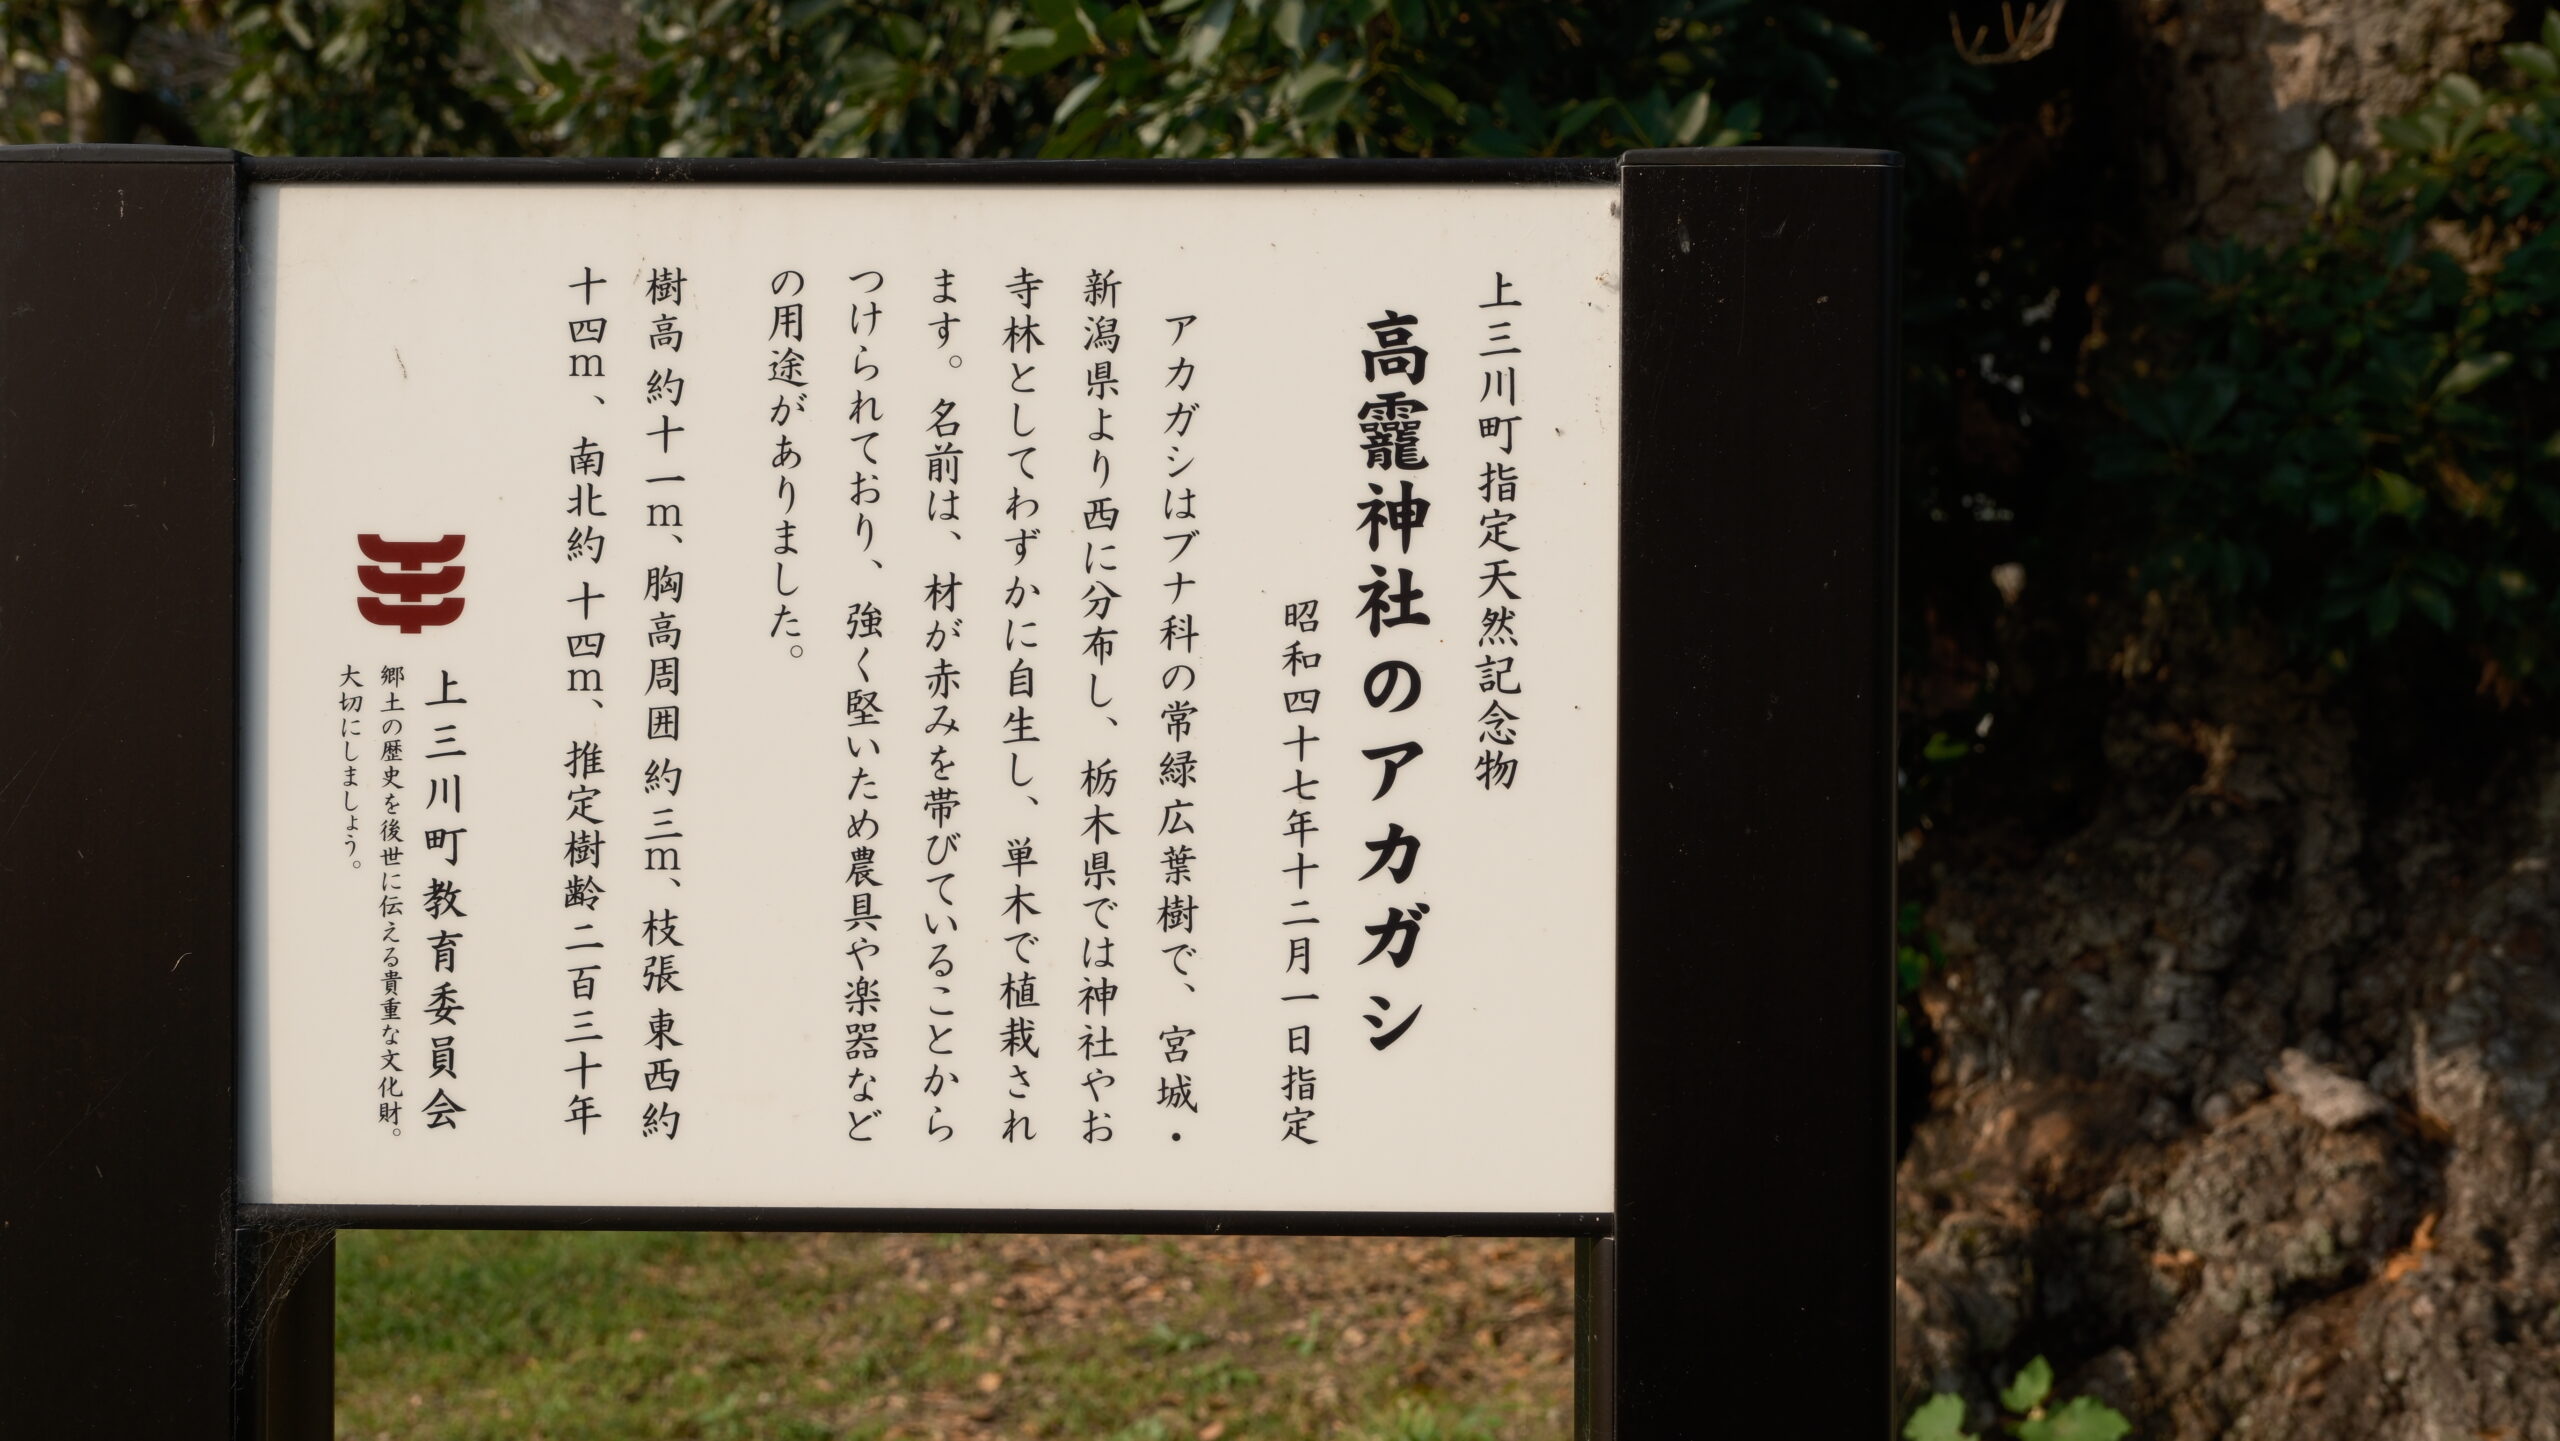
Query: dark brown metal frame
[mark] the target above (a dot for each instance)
(1741, 1285)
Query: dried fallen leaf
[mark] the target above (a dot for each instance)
(2411, 1259)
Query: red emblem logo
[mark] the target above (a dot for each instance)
(412, 582)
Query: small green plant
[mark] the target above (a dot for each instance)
(2028, 1418)
(1220, 1376)
(1307, 1339)
(1916, 957)
(1412, 1420)
(2358, 434)
(1172, 1342)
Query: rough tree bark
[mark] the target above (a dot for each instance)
(2246, 1097)
(2246, 89)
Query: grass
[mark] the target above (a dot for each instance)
(570, 1336)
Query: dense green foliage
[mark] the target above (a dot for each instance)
(1051, 77)
(2356, 435)
(386, 77)
(1220, 77)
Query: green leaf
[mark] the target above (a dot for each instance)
(1077, 97)
(2399, 497)
(2462, 91)
(2320, 176)
(1323, 101)
(2472, 373)
(2533, 60)
(1441, 96)
(1690, 120)
(1943, 747)
(2432, 604)
(1940, 1418)
(1208, 32)
(906, 33)
(1575, 117)
(1289, 22)
(2034, 1381)
(2442, 567)
(2382, 612)
(2401, 133)
(2083, 1420)
(1306, 82)
(1043, 51)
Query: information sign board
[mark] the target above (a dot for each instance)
(1342, 697)
(931, 696)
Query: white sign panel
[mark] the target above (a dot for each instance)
(925, 696)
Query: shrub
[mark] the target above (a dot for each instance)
(2355, 436)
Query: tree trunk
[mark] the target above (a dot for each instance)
(2245, 90)
(2245, 1099)
(103, 103)
(93, 42)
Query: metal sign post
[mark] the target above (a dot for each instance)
(181, 1123)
